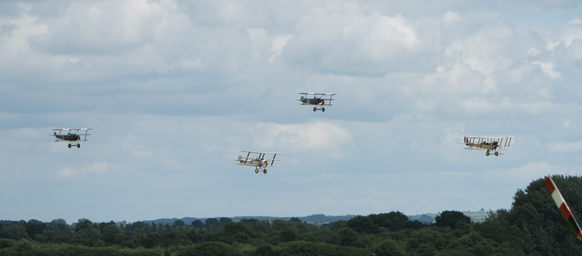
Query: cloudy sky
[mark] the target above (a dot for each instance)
(175, 89)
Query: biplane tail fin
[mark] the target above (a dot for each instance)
(563, 207)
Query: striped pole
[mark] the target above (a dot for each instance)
(563, 207)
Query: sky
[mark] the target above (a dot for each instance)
(174, 90)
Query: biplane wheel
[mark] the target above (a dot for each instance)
(69, 145)
(314, 109)
(322, 109)
(496, 153)
(78, 145)
(256, 170)
(264, 171)
(487, 153)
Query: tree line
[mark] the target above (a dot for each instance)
(533, 226)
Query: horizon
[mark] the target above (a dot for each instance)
(238, 218)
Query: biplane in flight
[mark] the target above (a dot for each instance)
(259, 160)
(318, 100)
(74, 135)
(491, 144)
(563, 207)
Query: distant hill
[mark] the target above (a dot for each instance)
(320, 219)
(317, 219)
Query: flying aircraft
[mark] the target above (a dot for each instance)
(563, 207)
(318, 100)
(488, 143)
(256, 159)
(71, 134)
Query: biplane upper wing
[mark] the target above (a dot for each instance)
(327, 97)
(563, 207)
(472, 142)
(248, 155)
(84, 132)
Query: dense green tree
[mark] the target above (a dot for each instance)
(209, 249)
(287, 235)
(178, 223)
(388, 248)
(112, 234)
(212, 224)
(265, 250)
(14, 230)
(224, 220)
(348, 237)
(86, 233)
(452, 219)
(363, 224)
(197, 224)
(238, 232)
(34, 228)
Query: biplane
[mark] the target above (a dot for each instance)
(74, 135)
(491, 144)
(318, 100)
(563, 207)
(259, 160)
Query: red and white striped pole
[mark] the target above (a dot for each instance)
(563, 207)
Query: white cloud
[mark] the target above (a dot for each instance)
(504, 105)
(317, 136)
(535, 170)
(377, 35)
(533, 51)
(451, 18)
(548, 69)
(345, 39)
(279, 43)
(566, 146)
(109, 27)
(95, 168)
(575, 21)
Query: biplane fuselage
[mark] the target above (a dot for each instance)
(318, 100)
(484, 145)
(253, 162)
(312, 101)
(68, 137)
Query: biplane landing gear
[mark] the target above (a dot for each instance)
(256, 170)
(314, 109)
(496, 153)
(69, 145)
(78, 145)
(487, 153)
(264, 171)
(322, 109)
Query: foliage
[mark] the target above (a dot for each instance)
(453, 219)
(533, 226)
